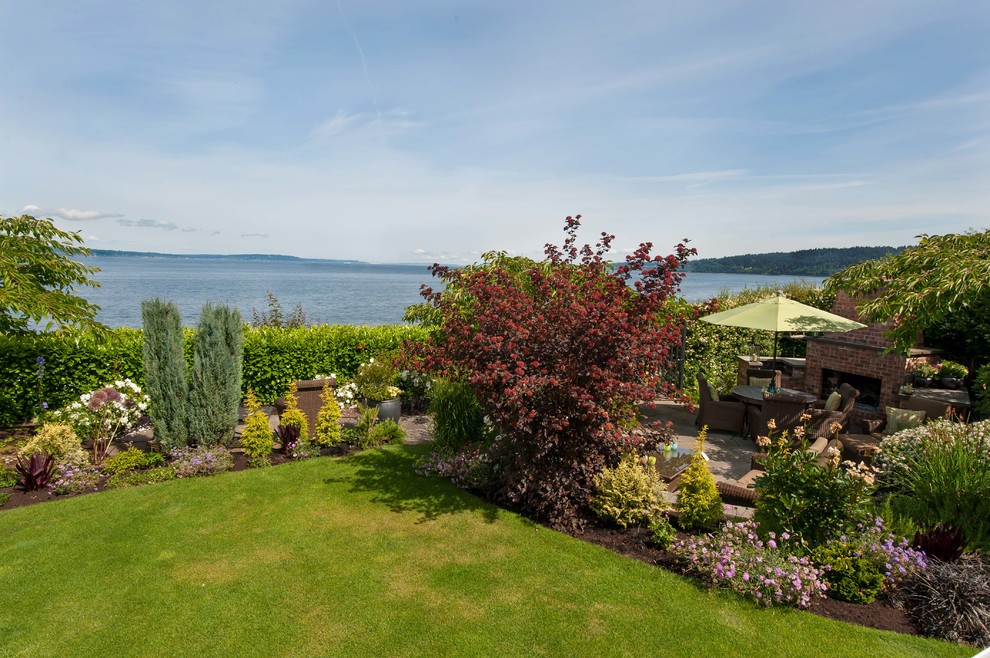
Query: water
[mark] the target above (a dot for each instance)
(336, 293)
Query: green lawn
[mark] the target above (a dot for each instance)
(360, 557)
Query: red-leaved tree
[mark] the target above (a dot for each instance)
(558, 354)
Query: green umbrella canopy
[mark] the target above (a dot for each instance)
(782, 314)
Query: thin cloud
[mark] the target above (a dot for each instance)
(151, 223)
(254, 235)
(72, 214)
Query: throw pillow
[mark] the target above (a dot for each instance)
(713, 392)
(833, 401)
(902, 419)
(760, 381)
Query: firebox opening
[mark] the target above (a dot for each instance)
(868, 387)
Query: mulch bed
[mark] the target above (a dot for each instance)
(634, 543)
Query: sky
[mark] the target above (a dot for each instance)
(397, 131)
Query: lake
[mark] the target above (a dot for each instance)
(334, 293)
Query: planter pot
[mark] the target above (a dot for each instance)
(922, 382)
(953, 383)
(387, 409)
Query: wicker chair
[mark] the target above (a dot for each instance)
(308, 397)
(717, 414)
(822, 420)
(762, 373)
(784, 409)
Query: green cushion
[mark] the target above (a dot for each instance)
(833, 401)
(713, 392)
(902, 419)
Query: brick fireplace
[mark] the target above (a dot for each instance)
(856, 357)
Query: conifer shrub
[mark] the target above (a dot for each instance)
(628, 494)
(215, 392)
(698, 506)
(256, 438)
(165, 377)
(58, 440)
(458, 419)
(327, 431)
(293, 416)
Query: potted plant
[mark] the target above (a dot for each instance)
(951, 374)
(924, 374)
(375, 382)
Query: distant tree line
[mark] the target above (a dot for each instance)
(806, 262)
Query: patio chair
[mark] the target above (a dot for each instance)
(718, 414)
(762, 377)
(822, 418)
(784, 409)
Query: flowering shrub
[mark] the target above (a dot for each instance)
(737, 558)
(469, 468)
(811, 500)
(375, 380)
(939, 474)
(191, 461)
(75, 477)
(347, 395)
(105, 413)
(558, 353)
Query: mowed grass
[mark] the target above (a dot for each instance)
(360, 557)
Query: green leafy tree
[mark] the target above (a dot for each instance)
(922, 286)
(216, 377)
(165, 375)
(38, 277)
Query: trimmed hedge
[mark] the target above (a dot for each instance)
(272, 359)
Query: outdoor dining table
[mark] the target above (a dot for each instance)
(754, 394)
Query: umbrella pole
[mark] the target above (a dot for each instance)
(773, 367)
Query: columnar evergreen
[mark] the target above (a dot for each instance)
(165, 371)
(216, 377)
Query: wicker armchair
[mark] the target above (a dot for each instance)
(822, 420)
(308, 398)
(717, 414)
(784, 409)
(762, 373)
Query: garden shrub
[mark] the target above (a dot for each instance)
(628, 494)
(327, 431)
(458, 419)
(75, 477)
(293, 416)
(215, 391)
(4, 497)
(737, 558)
(662, 534)
(56, 439)
(256, 437)
(165, 372)
(698, 504)
(35, 472)
(811, 500)
(468, 468)
(387, 432)
(132, 459)
(138, 478)
(981, 391)
(849, 574)
(194, 461)
(951, 600)
(557, 352)
(8, 478)
(939, 474)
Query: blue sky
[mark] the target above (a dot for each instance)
(419, 131)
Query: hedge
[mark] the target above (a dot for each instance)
(273, 358)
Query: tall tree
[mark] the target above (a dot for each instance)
(922, 286)
(215, 393)
(38, 277)
(165, 372)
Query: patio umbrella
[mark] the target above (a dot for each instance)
(779, 314)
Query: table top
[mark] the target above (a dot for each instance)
(754, 394)
(671, 463)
